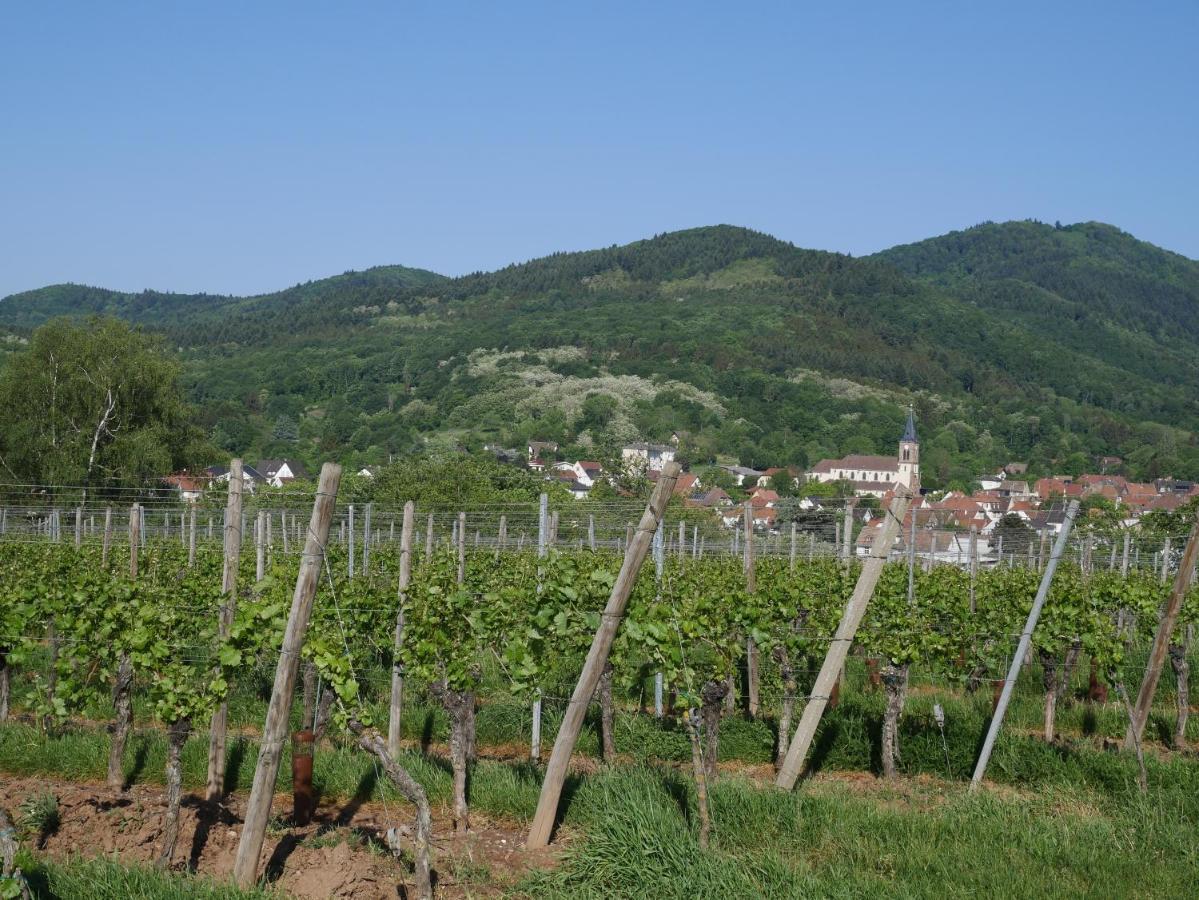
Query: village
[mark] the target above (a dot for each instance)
(843, 496)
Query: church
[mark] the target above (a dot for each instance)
(876, 475)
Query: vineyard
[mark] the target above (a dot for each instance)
(443, 647)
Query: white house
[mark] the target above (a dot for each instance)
(585, 471)
(278, 472)
(741, 473)
(250, 477)
(646, 457)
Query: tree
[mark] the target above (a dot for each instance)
(95, 404)
(1015, 535)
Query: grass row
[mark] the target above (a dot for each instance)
(1074, 810)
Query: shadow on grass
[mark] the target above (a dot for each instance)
(366, 789)
(139, 765)
(426, 732)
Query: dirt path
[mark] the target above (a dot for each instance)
(343, 853)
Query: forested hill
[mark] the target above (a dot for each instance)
(1015, 342)
(216, 313)
(1089, 286)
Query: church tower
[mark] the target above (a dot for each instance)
(909, 455)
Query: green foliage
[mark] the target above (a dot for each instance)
(1015, 341)
(94, 404)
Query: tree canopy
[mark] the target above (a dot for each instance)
(95, 404)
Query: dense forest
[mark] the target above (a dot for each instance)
(1018, 341)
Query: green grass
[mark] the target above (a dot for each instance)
(102, 879)
(828, 841)
(1065, 820)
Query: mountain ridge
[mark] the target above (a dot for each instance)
(1019, 339)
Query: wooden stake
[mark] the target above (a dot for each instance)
(366, 540)
(216, 730)
(107, 537)
(659, 552)
(830, 669)
(274, 730)
(1161, 640)
(847, 538)
(397, 666)
(191, 539)
(1009, 685)
(751, 587)
(597, 656)
(260, 545)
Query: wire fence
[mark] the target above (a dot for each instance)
(64, 514)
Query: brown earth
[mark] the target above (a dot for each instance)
(343, 853)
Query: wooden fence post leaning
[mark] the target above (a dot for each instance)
(597, 656)
(1161, 640)
(274, 730)
(830, 670)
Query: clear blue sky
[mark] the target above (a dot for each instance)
(242, 147)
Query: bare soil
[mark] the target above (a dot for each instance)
(343, 853)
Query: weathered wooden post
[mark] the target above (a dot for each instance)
(232, 548)
(461, 537)
(191, 539)
(397, 665)
(751, 587)
(366, 541)
(350, 537)
(1161, 640)
(543, 526)
(830, 669)
(274, 731)
(597, 657)
(847, 538)
(659, 552)
(107, 537)
(122, 691)
(260, 544)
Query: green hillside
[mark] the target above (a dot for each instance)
(1014, 341)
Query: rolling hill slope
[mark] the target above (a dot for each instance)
(1018, 340)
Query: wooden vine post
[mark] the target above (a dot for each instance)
(830, 669)
(220, 715)
(122, 689)
(597, 657)
(1022, 648)
(751, 586)
(1161, 640)
(543, 525)
(274, 730)
(397, 666)
(659, 563)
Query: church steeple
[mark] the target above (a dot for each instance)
(909, 431)
(909, 454)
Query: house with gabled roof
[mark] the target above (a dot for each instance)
(278, 472)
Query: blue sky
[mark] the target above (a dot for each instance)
(239, 148)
